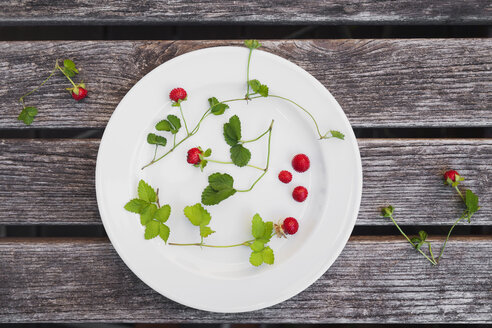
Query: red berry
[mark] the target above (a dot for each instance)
(451, 174)
(82, 94)
(290, 226)
(285, 176)
(300, 193)
(177, 94)
(194, 156)
(300, 163)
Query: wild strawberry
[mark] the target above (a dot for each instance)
(290, 226)
(82, 93)
(194, 156)
(451, 174)
(178, 94)
(300, 163)
(300, 193)
(285, 176)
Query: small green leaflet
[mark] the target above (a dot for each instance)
(252, 44)
(136, 205)
(232, 131)
(419, 241)
(257, 87)
(146, 192)
(471, 201)
(163, 213)
(172, 124)
(154, 139)
(262, 232)
(152, 229)
(199, 217)
(387, 211)
(240, 155)
(216, 107)
(27, 115)
(337, 134)
(148, 214)
(69, 68)
(220, 187)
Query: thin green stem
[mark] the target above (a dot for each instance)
(253, 140)
(268, 161)
(246, 243)
(155, 152)
(222, 162)
(430, 251)
(174, 140)
(304, 109)
(68, 77)
(21, 99)
(449, 234)
(459, 193)
(404, 235)
(182, 117)
(247, 73)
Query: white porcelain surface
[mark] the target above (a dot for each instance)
(222, 280)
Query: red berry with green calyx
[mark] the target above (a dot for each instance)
(285, 176)
(194, 156)
(300, 193)
(300, 163)
(451, 174)
(177, 94)
(78, 92)
(290, 226)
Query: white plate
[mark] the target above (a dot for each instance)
(222, 280)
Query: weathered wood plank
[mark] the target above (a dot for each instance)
(375, 279)
(17, 12)
(379, 83)
(52, 181)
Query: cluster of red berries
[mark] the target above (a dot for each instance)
(300, 163)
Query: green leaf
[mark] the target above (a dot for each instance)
(471, 201)
(216, 107)
(256, 258)
(415, 240)
(175, 122)
(197, 215)
(205, 231)
(152, 229)
(232, 131)
(163, 125)
(164, 232)
(337, 134)
(258, 227)
(252, 44)
(211, 196)
(220, 181)
(136, 205)
(202, 164)
(255, 85)
(163, 213)
(267, 255)
(267, 235)
(154, 139)
(147, 214)
(27, 115)
(146, 192)
(70, 65)
(240, 155)
(423, 235)
(257, 246)
(263, 90)
(207, 153)
(387, 211)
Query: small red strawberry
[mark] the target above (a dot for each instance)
(290, 226)
(285, 176)
(178, 94)
(81, 95)
(194, 156)
(300, 163)
(300, 193)
(451, 174)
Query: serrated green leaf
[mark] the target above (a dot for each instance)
(216, 107)
(257, 227)
(337, 134)
(205, 231)
(257, 246)
(220, 181)
(256, 258)
(175, 122)
(197, 215)
(471, 201)
(147, 214)
(415, 240)
(423, 235)
(255, 85)
(232, 131)
(164, 232)
(267, 234)
(163, 213)
(207, 153)
(27, 115)
(69, 64)
(163, 125)
(202, 164)
(146, 192)
(263, 90)
(267, 255)
(213, 101)
(240, 155)
(214, 197)
(154, 139)
(152, 229)
(136, 205)
(252, 44)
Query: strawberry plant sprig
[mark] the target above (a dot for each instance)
(221, 185)
(453, 179)
(78, 91)
(199, 158)
(152, 215)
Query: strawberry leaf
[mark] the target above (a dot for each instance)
(257, 246)
(337, 134)
(220, 181)
(256, 258)
(27, 115)
(197, 215)
(258, 227)
(240, 155)
(163, 125)
(216, 107)
(154, 139)
(232, 131)
(175, 122)
(211, 196)
(136, 205)
(164, 232)
(163, 213)
(471, 201)
(147, 214)
(205, 231)
(146, 192)
(255, 85)
(252, 44)
(267, 255)
(152, 229)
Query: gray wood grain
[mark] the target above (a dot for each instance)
(245, 12)
(52, 181)
(379, 83)
(375, 279)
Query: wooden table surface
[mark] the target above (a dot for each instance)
(380, 84)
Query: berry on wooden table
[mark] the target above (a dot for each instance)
(79, 93)
(178, 94)
(194, 156)
(300, 193)
(451, 174)
(290, 226)
(300, 163)
(285, 176)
